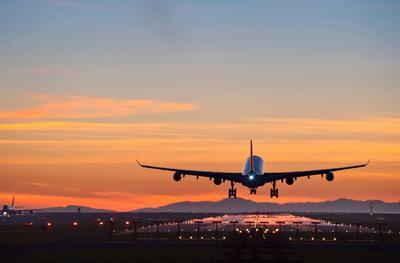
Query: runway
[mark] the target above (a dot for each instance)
(284, 222)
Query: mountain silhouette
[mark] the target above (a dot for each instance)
(239, 205)
(74, 209)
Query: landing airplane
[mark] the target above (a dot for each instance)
(253, 175)
(11, 210)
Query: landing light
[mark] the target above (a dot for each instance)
(251, 177)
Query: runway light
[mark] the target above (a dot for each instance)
(49, 224)
(312, 238)
(101, 223)
(191, 237)
(201, 237)
(323, 238)
(334, 239)
(75, 223)
(223, 237)
(290, 238)
(127, 223)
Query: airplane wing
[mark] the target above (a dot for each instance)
(270, 177)
(235, 177)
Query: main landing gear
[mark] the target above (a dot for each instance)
(253, 191)
(232, 190)
(274, 191)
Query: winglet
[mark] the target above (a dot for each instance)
(368, 162)
(139, 163)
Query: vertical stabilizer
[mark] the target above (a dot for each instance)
(12, 203)
(251, 156)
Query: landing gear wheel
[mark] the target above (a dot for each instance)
(253, 191)
(232, 193)
(274, 192)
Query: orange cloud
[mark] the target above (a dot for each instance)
(297, 140)
(93, 107)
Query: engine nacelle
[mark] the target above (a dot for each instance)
(177, 177)
(289, 180)
(217, 181)
(329, 176)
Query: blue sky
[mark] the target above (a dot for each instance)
(287, 57)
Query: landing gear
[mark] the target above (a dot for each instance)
(232, 190)
(274, 191)
(253, 191)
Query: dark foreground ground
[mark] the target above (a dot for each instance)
(93, 242)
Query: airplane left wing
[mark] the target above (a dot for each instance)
(270, 177)
(235, 177)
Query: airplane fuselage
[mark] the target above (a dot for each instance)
(253, 170)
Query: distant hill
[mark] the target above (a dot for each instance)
(243, 205)
(74, 209)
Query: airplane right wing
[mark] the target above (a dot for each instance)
(270, 177)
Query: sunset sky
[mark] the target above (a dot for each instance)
(87, 87)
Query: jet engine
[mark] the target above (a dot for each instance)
(177, 176)
(217, 181)
(329, 176)
(289, 180)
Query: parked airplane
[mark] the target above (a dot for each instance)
(11, 210)
(253, 175)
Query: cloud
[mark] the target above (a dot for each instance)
(53, 107)
(297, 140)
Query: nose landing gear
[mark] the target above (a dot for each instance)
(232, 190)
(253, 191)
(274, 191)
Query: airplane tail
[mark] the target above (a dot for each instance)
(12, 203)
(251, 156)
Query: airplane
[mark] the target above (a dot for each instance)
(253, 175)
(11, 210)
